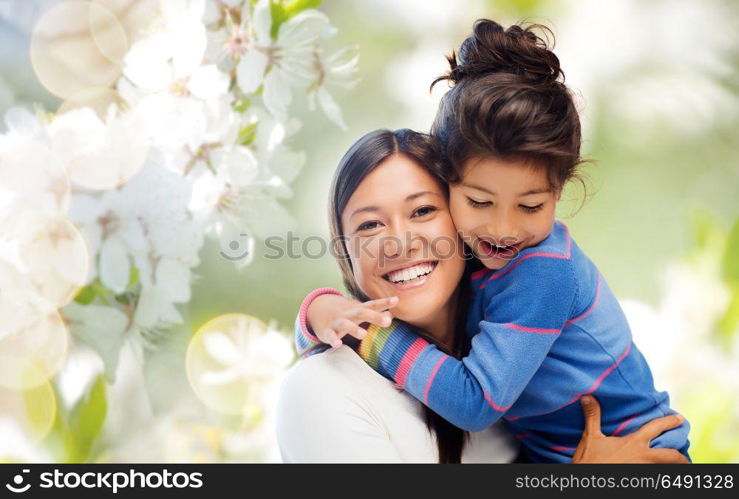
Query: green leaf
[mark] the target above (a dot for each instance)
(87, 418)
(729, 323)
(85, 296)
(279, 16)
(730, 264)
(247, 134)
(241, 105)
(96, 289)
(59, 441)
(133, 277)
(707, 229)
(283, 10)
(298, 6)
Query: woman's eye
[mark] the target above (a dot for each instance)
(531, 209)
(368, 225)
(478, 204)
(424, 210)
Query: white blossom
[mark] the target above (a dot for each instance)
(338, 69)
(284, 62)
(103, 213)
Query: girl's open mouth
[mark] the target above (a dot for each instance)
(504, 252)
(411, 277)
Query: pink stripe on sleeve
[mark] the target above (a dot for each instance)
(605, 373)
(408, 359)
(479, 273)
(536, 330)
(303, 314)
(431, 379)
(622, 426)
(493, 404)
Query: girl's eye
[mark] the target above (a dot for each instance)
(478, 204)
(424, 210)
(531, 209)
(372, 224)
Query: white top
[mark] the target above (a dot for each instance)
(334, 408)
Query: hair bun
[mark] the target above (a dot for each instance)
(516, 50)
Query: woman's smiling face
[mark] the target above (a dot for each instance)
(402, 242)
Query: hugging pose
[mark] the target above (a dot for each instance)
(465, 292)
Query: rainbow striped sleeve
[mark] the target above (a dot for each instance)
(392, 350)
(306, 343)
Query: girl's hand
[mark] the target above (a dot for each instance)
(595, 447)
(332, 317)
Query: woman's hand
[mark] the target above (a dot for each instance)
(595, 447)
(332, 317)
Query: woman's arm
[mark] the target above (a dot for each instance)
(595, 447)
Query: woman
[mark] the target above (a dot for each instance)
(388, 211)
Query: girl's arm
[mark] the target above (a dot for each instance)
(307, 343)
(521, 323)
(332, 317)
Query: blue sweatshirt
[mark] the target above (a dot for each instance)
(545, 330)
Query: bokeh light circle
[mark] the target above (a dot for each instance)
(33, 409)
(96, 98)
(231, 362)
(57, 258)
(77, 45)
(33, 353)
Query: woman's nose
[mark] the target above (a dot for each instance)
(402, 243)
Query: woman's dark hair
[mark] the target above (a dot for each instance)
(360, 160)
(508, 101)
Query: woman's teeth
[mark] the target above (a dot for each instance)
(410, 274)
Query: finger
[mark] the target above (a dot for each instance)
(657, 427)
(358, 332)
(591, 411)
(381, 303)
(360, 315)
(667, 456)
(345, 327)
(330, 337)
(348, 327)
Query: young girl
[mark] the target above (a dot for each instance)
(545, 328)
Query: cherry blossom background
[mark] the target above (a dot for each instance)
(150, 148)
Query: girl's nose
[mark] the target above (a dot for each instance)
(503, 227)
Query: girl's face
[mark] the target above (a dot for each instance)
(402, 242)
(502, 207)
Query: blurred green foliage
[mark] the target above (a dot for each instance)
(76, 430)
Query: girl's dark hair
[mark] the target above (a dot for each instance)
(508, 101)
(360, 160)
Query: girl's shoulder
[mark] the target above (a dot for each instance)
(558, 244)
